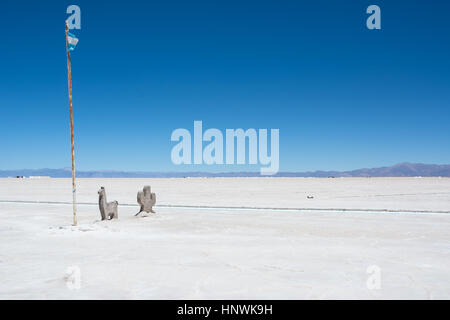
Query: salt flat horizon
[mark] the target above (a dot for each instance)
(391, 193)
(213, 253)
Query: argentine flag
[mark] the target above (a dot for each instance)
(72, 41)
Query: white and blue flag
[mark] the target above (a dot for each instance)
(72, 40)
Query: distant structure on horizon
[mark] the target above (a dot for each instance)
(32, 177)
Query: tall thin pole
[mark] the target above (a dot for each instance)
(69, 74)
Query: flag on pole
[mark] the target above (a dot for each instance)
(72, 41)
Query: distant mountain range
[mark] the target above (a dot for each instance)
(404, 169)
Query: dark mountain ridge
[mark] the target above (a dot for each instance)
(404, 169)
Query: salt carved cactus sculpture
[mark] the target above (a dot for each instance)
(146, 200)
(108, 210)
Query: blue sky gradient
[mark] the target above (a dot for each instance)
(343, 96)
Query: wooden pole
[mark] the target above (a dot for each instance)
(69, 75)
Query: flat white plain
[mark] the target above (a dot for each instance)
(196, 253)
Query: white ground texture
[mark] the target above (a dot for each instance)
(197, 247)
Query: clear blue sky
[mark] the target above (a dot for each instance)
(343, 96)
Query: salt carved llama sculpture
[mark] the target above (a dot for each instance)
(108, 210)
(146, 199)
